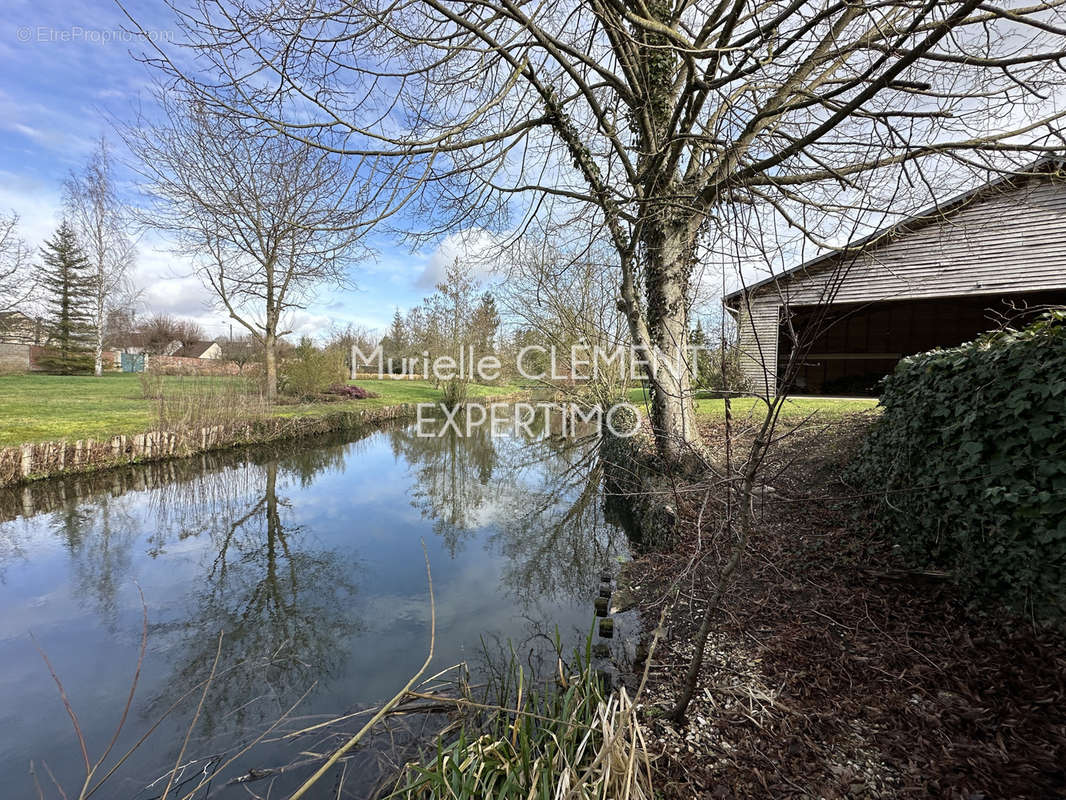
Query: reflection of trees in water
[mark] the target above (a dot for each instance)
(284, 608)
(284, 605)
(545, 490)
(12, 545)
(205, 504)
(557, 540)
(453, 479)
(99, 538)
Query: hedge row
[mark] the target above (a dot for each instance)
(968, 464)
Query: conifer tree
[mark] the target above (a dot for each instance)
(485, 324)
(395, 343)
(67, 281)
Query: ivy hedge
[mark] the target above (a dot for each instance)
(967, 464)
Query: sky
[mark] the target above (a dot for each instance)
(68, 70)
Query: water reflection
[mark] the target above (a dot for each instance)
(307, 558)
(453, 477)
(99, 538)
(282, 605)
(543, 500)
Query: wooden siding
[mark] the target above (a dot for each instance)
(757, 329)
(1009, 241)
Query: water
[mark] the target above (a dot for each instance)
(309, 558)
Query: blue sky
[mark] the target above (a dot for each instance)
(68, 69)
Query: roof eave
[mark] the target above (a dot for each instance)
(924, 217)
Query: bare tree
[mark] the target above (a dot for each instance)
(101, 222)
(660, 120)
(266, 218)
(120, 325)
(242, 351)
(160, 330)
(556, 288)
(733, 484)
(14, 262)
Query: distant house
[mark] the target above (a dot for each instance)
(205, 350)
(937, 279)
(19, 328)
(137, 343)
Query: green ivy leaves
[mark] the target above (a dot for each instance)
(969, 463)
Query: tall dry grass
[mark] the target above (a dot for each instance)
(186, 404)
(578, 740)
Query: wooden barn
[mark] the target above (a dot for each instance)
(937, 279)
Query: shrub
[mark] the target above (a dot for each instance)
(65, 362)
(453, 392)
(310, 371)
(709, 376)
(351, 392)
(969, 465)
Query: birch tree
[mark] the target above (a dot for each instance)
(657, 119)
(101, 222)
(14, 264)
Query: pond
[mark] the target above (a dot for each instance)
(308, 558)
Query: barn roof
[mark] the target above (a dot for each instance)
(14, 318)
(926, 216)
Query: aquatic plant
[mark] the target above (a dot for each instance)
(577, 739)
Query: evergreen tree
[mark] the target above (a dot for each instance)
(68, 283)
(452, 304)
(397, 332)
(485, 324)
(395, 343)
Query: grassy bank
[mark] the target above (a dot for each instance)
(795, 409)
(39, 408)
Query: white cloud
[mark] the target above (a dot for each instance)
(476, 247)
(36, 204)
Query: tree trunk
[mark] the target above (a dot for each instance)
(98, 366)
(669, 257)
(270, 367)
(101, 299)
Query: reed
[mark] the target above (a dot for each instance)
(574, 738)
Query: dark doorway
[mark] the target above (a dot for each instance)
(854, 345)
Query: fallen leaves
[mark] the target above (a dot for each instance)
(837, 672)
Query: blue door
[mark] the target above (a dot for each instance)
(133, 362)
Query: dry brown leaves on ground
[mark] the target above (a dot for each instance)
(836, 672)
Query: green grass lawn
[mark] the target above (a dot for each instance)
(38, 408)
(794, 409)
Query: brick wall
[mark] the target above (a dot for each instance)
(14, 357)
